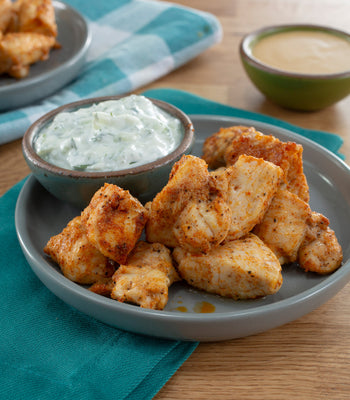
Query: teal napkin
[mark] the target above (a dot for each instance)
(48, 350)
(134, 42)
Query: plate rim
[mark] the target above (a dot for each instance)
(337, 278)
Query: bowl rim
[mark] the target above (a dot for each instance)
(30, 134)
(246, 54)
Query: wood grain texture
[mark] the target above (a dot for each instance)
(308, 359)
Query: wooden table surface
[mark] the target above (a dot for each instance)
(310, 357)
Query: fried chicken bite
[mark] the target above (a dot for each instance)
(103, 287)
(114, 221)
(215, 146)
(146, 277)
(320, 251)
(240, 269)
(6, 14)
(36, 16)
(287, 155)
(250, 185)
(78, 259)
(19, 50)
(190, 211)
(283, 227)
(28, 32)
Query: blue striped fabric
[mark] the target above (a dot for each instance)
(134, 42)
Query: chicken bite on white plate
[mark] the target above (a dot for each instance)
(145, 278)
(240, 269)
(114, 221)
(78, 259)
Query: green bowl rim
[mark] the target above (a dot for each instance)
(247, 40)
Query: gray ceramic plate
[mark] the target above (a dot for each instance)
(39, 216)
(45, 77)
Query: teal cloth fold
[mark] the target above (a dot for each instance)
(193, 104)
(48, 350)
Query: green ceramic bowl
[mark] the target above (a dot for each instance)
(291, 90)
(77, 187)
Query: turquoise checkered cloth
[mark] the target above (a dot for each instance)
(134, 42)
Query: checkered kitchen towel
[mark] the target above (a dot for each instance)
(134, 42)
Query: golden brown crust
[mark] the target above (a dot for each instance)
(241, 269)
(37, 16)
(224, 148)
(190, 210)
(78, 259)
(114, 222)
(215, 146)
(145, 278)
(320, 251)
(28, 32)
(19, 50)
(284, 225)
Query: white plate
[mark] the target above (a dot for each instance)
(45, 77)
(39, 216)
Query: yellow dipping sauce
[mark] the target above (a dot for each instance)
(303, 51)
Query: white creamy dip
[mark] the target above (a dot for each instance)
(109, 136)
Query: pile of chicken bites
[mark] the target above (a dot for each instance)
(224, 223)
(28, 32)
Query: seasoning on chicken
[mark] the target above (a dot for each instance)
(28, 32)
(320, 251)
(6, 14)
(146, 277)
(251, 184)
(241, 269)
(103, 287)
(78, 259)
(215, 146)
(287, 155)
(283, 227)
(36, 16)
(19, 50)
(190, 211)
(114, 221)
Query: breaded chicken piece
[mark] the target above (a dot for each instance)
(78, 259)
(36, 16)
(320, 251)
(114, 221)
(19, 50)
(215, 146)
(103, 287)
(283, 227)
(250, 184)
(241, 269)
(146, 277)
(6, 14)
(287, 155)
(190, 210)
